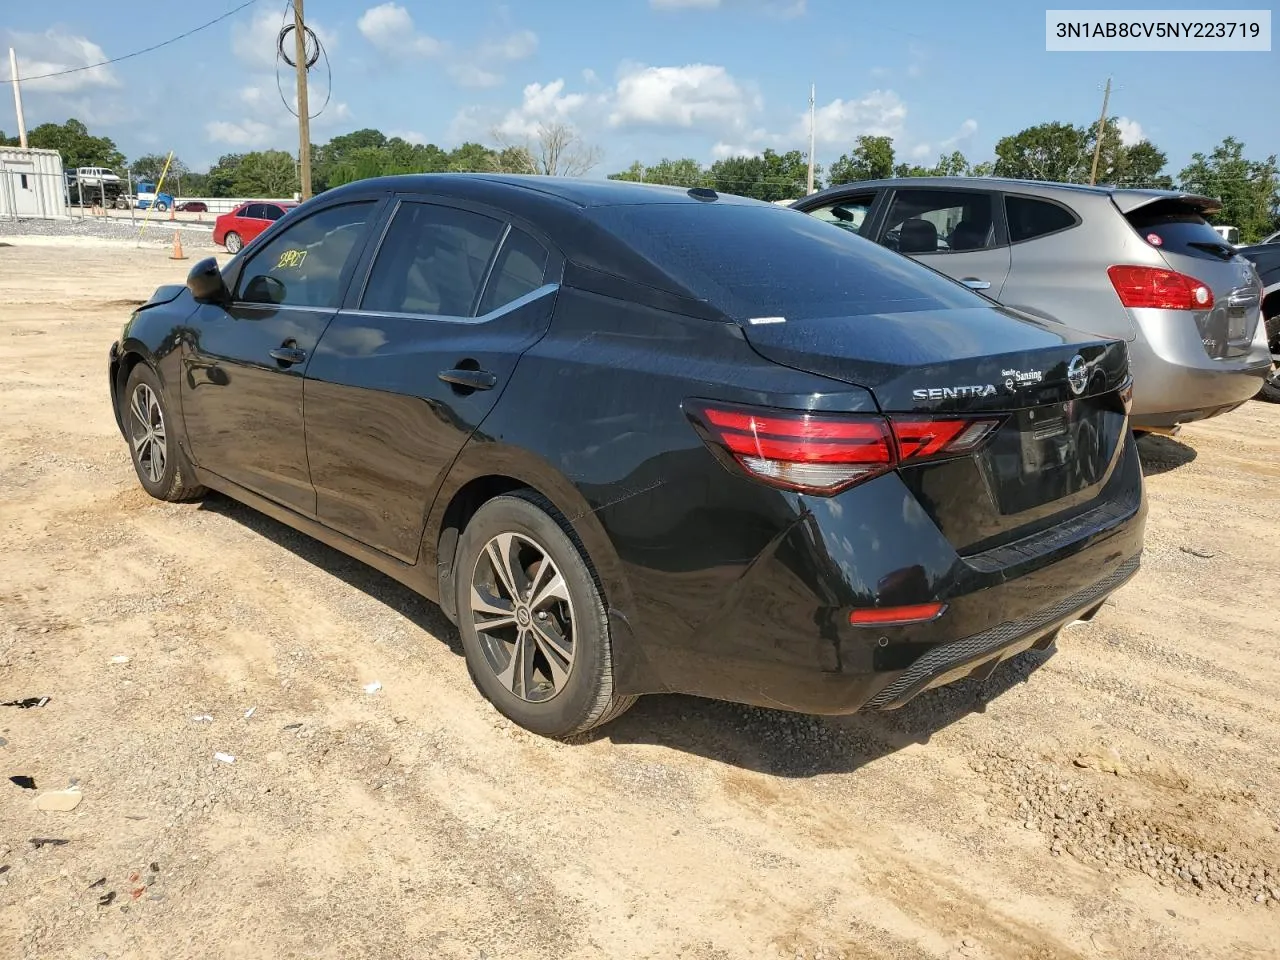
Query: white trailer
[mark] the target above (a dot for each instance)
(32, 184)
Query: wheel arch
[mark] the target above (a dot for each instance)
(485, 470)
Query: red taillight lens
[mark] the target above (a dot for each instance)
(894, 616)
(825, 453)
(1161, 289)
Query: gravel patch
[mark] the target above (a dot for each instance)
(158, 232)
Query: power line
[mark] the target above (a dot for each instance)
(138, 53)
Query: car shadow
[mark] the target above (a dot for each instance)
(1163, 454)
(411, 605)
(775, 742)
(796, 745)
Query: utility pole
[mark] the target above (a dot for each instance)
(17, 98)
(1102, 125)
(304, 111)
(812, 92)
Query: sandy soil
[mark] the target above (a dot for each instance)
(1118, 798)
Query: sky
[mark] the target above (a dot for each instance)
(639, 79)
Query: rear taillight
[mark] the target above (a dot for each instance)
(825, 453)
(1160, 289)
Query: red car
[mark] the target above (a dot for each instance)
(233, 230)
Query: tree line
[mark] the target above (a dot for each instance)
(1249, 189)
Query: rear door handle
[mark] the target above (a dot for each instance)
(473, 379)
(288, 355)
(973, 283)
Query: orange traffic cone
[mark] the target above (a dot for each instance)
(171, 216)
(177, 247)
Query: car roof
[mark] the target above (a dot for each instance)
(1126, 199)
(578, 191)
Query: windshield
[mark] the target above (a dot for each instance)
(767, 261)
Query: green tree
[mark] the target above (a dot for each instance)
(870, 159)
(77, 146)
(685, 172)
(266, 173)
(1249, 189)
(769, 176)
(1048, 151)
(221, 178)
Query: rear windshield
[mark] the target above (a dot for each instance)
(768, 261)
(1180, 231)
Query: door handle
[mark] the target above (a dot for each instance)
(973, 283)
(471, 379)
(288, 355)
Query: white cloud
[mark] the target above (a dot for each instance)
(541, 103)
(54, 52)
(961, 136)
(589, 76)
(389, 28)
(881, 113)
(722, 150)
(1130, 131)
(920, 151)
(698, 94)
(408, 136)
(514, 46)
(467, 74)
(245, 133)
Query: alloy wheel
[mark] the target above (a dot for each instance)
(150, 443)
(523, 616)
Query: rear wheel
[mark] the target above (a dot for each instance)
(162, 469)
(533, 621)
(233, 242)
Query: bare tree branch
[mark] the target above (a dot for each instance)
(557, 152)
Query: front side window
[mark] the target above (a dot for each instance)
(432, 261)
(302, 265)
(849, 213)
(271, 212)
(939, 221)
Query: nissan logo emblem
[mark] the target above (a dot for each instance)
(1077, 375)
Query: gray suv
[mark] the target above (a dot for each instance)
(1142, 265)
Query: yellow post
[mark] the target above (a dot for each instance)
(163, 174)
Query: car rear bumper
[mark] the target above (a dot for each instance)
(784, 640)
(1176, 381)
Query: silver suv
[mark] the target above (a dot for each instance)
(1142, 265)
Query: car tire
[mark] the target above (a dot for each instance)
(232, 242)
(1270, 391)
(520, 661)
(162, 468)
(162, 206)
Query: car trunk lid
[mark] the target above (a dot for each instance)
(1057, 400)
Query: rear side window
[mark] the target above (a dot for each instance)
(253, 212)
(519, 270)
(1178, 229)
(763, 261)
(1030, 218)
(432, 261)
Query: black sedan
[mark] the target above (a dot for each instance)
(636, 439)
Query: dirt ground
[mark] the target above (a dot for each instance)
(1119, 797)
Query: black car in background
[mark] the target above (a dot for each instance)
(1266, 257)
(636, 439)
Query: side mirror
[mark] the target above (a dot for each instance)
(205, 282)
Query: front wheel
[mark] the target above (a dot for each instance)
(232, 242)
(162, 469)
(533, 621)
(162, 206)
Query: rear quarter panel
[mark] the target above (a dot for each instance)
(1063, 276)
(593, 418)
